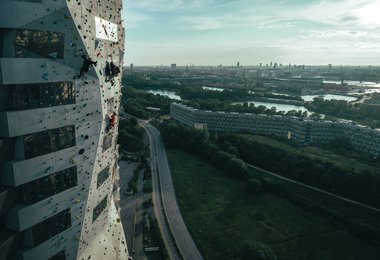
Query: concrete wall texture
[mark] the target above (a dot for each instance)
(74, 28)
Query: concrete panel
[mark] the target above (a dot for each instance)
(29, 216)
(34, 70)
(36, 120)
(22, 217)
(15, 173)
(16, 14)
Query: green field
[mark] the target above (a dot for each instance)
(221, 216)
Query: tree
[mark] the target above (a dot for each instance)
(341, 142)
(133, 121)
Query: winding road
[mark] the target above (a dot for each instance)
(176, 236)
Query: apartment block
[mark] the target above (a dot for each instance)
(303, 131)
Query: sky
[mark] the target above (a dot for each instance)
(213, 32)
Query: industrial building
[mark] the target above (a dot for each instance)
(302, 131)
(59, 86)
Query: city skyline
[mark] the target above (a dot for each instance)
(211, 32)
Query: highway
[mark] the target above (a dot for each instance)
(177, 239)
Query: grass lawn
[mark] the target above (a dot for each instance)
(220, 215)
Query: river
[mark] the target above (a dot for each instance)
(329, 97)
(169, 94)
(279, 107)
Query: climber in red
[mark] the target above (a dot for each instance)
(110, 121)
(113, 119)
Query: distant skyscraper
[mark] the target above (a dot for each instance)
(131, 66)
(59, 86)
(173, 66)
(238, 64)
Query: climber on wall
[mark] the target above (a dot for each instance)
(110, 121)
(87, 63)
(113, 119)
(114, 69)
(111, 70)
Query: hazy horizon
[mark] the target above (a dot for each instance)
(212, 32)
(251, 65)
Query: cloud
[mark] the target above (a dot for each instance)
(311, 31)
(342, 13)
(202, 23)
(341, 34)
(164, 5)
(212, 12)
(137, 19)
(269, 14)
(369, 14)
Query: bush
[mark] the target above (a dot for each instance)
(147, 187)
(254, 186)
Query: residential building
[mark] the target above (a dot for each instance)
(302, 131)
(59, 84)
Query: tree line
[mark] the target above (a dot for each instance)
(140, 81)
(358, 184)
(196, 142)
(197, 92)
(130, 135)
(217, 105)
(369, 114)
(135, 102)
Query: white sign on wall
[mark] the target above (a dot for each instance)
(105, 29)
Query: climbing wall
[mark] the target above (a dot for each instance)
(93, 28)
(100, 27)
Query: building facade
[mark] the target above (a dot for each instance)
(59, 89)
(303, 131)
